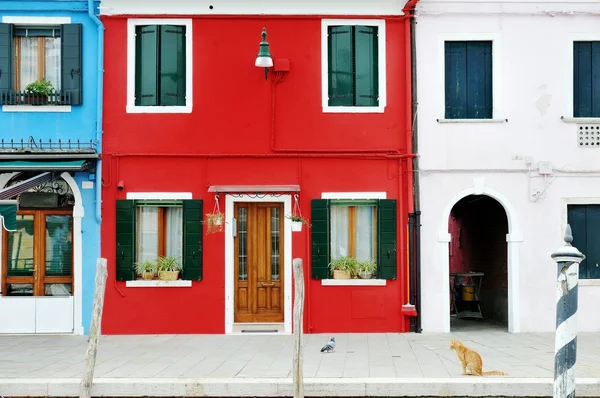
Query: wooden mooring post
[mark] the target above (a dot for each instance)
(298, 377)
(85, 389)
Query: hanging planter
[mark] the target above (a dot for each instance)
(296, 217)
(215, 221)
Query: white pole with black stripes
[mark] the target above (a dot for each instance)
(565, 343)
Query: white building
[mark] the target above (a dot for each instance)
(509, 151)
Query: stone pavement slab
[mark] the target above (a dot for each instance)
(382, 364)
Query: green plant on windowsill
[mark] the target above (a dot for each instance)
(40, 89)
(365, 269)
(343, 267)
(168, 268)
(146, 269)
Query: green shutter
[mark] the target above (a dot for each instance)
(71, 70)
(125, 240)
(367, 61)
(7, 50)
(586, 79)
(577, 219)
(592, 251)
(341, 59)
(479, 80)
(146, 65)
(320, 238)
(455, 69)
(192, 240)
(386, 239)
(172, 65)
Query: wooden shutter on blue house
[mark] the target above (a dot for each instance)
(146, 65)
(125, 234)
(387, 244)
(172, 65)
(468, 80)
(320, 238)
(341, 58)
(366, 68)
(71, 67)
(192, 240)
(7, 51)
(586, 79)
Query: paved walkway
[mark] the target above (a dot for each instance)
(260, 365)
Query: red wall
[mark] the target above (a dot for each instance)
(233, 118)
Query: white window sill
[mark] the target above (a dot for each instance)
(582, 120)
(472, 120)
(353, 282)
(158, 283)
(353, 109)
(37, 108)
(589, 282)
(159, 109)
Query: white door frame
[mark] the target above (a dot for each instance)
(77, 251)
(513, 238)
(230, 259)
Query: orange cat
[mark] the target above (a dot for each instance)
(470, 359)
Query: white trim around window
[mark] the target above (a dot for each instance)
(380, 24)
(131, 107)
(160, 195)
(498, 112)
(37, 21)
(568, 68)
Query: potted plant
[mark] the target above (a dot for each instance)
(168, 268)
(297, 222)
(343, 267)
(36, 93)
(214, 222)
(146, 269)
(365, 269)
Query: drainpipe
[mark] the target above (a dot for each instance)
(99, 99)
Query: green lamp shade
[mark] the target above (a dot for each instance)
(263, 59)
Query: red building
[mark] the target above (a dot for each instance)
(193, 131)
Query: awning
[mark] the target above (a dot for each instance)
(8, 214)
(48, 165)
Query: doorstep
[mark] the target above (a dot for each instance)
(258, 327)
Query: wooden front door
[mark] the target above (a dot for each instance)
(258, 246)
(38, 256)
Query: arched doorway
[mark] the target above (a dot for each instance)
(478, 263)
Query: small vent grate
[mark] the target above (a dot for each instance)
(588, 135)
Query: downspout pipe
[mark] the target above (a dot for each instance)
(99, 100)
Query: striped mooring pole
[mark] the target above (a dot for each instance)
(565, 340)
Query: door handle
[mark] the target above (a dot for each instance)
(268, 284)
(35, 278)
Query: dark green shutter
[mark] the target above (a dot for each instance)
(7, 51)
(71, 67)
(172, 65)
(146, 65)
(592, 250)
(577, 217)
(479, 80)
(320, 238)
(341, 72)
(386, 239)
(366, 76)
(586, 79)
(192, 240)
(125, 240)
(455, 79)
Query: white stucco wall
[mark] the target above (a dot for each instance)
(532, 50)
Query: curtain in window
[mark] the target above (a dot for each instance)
(147, 234)
(339, 232)
(364, 233)
(175, 233)
(52, 61)
(29, 61)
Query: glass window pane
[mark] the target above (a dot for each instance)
(242, 243)
(19, 289)
(20, 248)
(59, 246)
(147, 234)
(364, 233)
(275, 237)
(52, 61)
(174, 232)
(58, 289)
(339, 232)
(28, 61)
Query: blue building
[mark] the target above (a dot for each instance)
(51, 66)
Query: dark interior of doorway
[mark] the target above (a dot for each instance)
(478, 226)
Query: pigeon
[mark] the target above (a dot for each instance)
(330, 346)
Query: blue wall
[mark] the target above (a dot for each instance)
(79, 124)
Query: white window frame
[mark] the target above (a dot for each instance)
(497, 109)
(131, 25)
(382, 61)
(41, 21)
(570, 74)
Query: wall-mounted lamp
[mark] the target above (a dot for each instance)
(263, 59)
